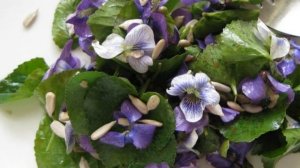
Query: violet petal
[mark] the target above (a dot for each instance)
(157, 165)
(254, 89)
(209, 39)
(229, 114)
(192, 108)
(111, 47)
(286, 67)
(241, 150)
(209, 95)
(80, 26)
(142, 135)
(69, 139)
(140, 65)
(130, 112)
(183, 12)
(297, 56)
(114, 138)
(187, 160)
(280, 47)
(85, 144)
(218, 161)
(160, 25)
(183, 125)
(282, 88)
(189, 2)
(180, 84)
(85, 44)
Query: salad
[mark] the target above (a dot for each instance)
(167, 82)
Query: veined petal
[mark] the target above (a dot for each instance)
(130, 112)
(263, 33)
(209, 95)
(192, 108)
(254, 89)
(180, 84)
(229, 114)
(280, 47)
(160, 25)
(183, 125)
(202, 80)
(114, 138)
(140, 65)
(110, 48)
(125, 25)
(191, 140)
(80, 25)
(282, 88)
(69, 139)
(142, 135)
(141, 37)
(286, 67)
(85, 4)
(85, 44)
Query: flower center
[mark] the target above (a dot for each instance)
(193, 91)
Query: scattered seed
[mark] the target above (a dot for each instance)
(50, 103)
(83, 163)
(179, 21)
(143, 2)
(221, 87)
(216, 109)
(162, 9)
(151, 122)
(30, 18)
(153, 102)
(183, 43)
(123, 121)
(100, 132)
(242, 99)
(63, 116)
(252, 108)
(58, 129)
(125, 25)
(141, 106)
(235, 106)
(158, 48)
(84, 84)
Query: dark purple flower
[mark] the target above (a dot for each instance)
(183, 125)
(209, 39)
(86, 4)
(235, 157)
(159, 24)
(229, 114)
(140, 135)
(286, 67)
(158, 165)
(189, 2)
(65, 62)
(70, 138)
(84, 142)
(186, 160)
(182, 12)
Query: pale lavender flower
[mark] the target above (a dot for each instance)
(197, 93)
(136, 48)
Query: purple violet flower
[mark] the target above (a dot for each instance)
(181, 12)
(235, 158)
(66, 61)
(229, 114)
(256, 88)
(140, 135)
(84, 142)
(186, 160)
(196, 93)
(209, 39)
(136, 48)
(70, 137)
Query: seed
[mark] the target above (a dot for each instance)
(123, 121)
(235, 106)
(252, 108)
(183, 43)
(143, 2)
(100, 132)
(84, 84)
(153, 102)
(163, 9)
(63, 116)
(141, 106)
(215, 109)
(189, 58)
(58, 129)
(50, 103)
(190, 36)
(83, 163)
(243, 99)
(221, 87)
(158, 48)
(151, 122)
(179, 21)
(125, 25)
(30, 18)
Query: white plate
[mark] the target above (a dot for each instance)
(20, 120)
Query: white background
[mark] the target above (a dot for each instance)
(19, 120)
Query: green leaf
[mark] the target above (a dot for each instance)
(171, 5)
(243, 130)
(294, 108)
(104, 97)
(214, 22)
(224, 148)
(208, 142)
(50, 150)
(113, 13)
(55, 84)
(76, 90)
(241, 2)
(239, 43)
(292, 143)
(59, 28)
(211, 62)
(23, 80)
